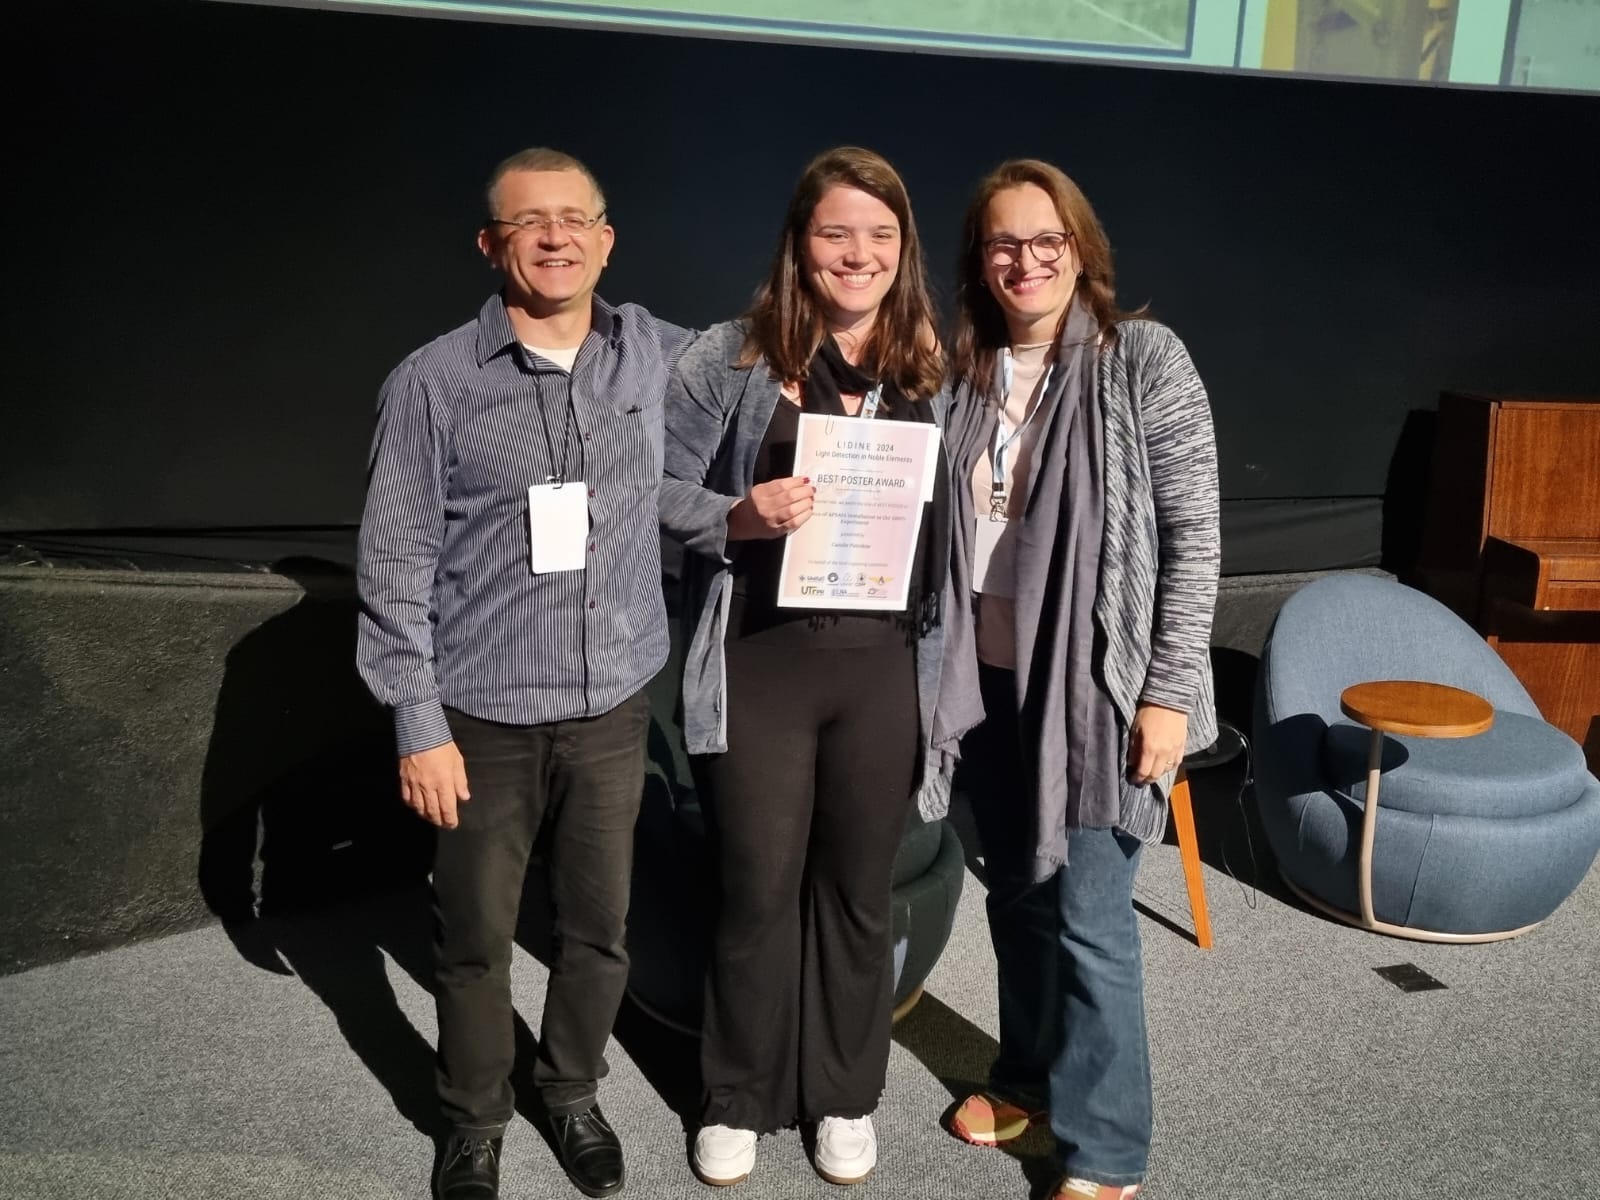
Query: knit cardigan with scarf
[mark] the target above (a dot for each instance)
(1159, 564)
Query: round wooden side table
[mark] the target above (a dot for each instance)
(1414, 709)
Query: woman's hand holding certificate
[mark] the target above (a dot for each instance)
(771, 509)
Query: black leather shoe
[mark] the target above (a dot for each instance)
(588, 1150)
(469, 1169)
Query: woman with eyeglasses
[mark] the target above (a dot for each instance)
(807, 727)
(1084, 575)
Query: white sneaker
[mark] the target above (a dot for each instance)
(723, 1155)
(847, 1149)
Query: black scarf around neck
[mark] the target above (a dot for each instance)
(831, 375)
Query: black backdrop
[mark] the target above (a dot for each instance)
(229, 222)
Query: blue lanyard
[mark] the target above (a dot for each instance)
(1003, 441)
(870, 402)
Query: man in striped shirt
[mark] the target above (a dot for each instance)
(511, 616)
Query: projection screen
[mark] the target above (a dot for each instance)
(1538, 44)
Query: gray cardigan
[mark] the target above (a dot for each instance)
(1159, 562)
(1163, 543)
(716, 417)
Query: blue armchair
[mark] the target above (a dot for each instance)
(1477, 838)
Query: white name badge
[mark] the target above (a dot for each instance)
(994, 565)
(558, 526)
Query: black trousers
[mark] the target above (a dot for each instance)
(575, 787)
(805, 812)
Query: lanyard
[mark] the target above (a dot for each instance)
(1003, 441)
(560, 468)
(870, 402)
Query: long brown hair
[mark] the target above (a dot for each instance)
(980, 329)
(785, 324)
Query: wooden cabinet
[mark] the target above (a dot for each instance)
(1511, 542)
(1554, 575)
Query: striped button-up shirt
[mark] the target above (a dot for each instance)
(452, 612)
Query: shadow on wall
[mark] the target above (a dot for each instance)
(307, 855)
(298, 801)
(1405, 494)
(317, 870)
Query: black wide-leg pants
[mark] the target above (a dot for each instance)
(575, 787)
(805, 812)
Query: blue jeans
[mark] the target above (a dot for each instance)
(1071, 976)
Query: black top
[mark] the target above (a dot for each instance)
(754, 615)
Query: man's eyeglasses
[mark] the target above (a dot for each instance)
(569, 223)
(1046, 247)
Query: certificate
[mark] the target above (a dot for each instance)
(872, 479)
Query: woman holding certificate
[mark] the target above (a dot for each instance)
(1084, 574)
(808, 719)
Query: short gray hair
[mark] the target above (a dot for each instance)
(539, 158)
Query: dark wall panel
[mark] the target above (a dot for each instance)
(186, 746)
(230, 222)
(182, 747)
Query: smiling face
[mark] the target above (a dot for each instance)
(850, 254)
(548, 269)
(1033, 295)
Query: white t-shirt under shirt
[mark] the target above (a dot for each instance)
(996, 610)
(563, 358)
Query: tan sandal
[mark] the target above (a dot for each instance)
(985, 1119)
(1084, 1189)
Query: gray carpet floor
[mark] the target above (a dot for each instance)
(295, 1063)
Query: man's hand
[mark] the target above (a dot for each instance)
(771, 509)
(1156, 742)
(433, 782)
